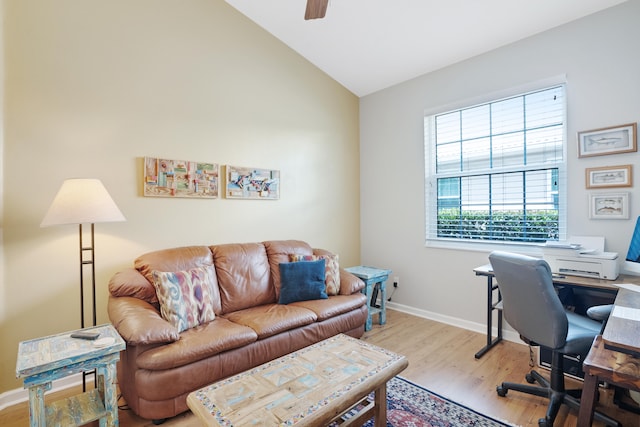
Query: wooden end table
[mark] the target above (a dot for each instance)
(372, 276)
(42, 360)
(310, 387)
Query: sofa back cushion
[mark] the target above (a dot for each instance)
(242, 270)
(176, 260)
(278, 252)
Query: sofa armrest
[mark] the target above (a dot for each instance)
(349, 284)
(138, 322)
(131, 283)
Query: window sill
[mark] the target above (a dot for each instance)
(532, 249)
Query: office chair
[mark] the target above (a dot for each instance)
(532, 307)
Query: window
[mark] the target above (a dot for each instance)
(495, 171)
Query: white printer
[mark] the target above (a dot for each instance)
(581, 256)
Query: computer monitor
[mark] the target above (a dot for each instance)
(631, 265)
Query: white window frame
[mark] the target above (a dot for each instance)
(431, 177)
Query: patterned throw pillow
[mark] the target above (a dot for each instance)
(185, 296)
(332, 270)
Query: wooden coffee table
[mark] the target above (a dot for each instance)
(312, 386)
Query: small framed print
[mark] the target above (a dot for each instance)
(611, 140)
(609, 206)
(609, 176)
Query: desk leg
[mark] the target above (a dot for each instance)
(588, 400)
(490, 307)
(37, 412)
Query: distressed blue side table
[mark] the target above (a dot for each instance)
(42, 360)
(372, 276)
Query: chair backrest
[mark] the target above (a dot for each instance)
(530, 302)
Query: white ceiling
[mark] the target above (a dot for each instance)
(368, 45)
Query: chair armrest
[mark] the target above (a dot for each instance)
(600, 312)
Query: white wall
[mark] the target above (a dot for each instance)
(94, 86)
(598, 55)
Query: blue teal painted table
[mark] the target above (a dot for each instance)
(372, 276)
(42, 360)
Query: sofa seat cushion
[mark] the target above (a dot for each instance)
(271, 319)
(334, 306)
(196, 344)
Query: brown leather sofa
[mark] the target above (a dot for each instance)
(161, 366)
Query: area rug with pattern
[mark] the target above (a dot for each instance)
(410, 405)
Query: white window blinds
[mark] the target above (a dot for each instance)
(495, 171)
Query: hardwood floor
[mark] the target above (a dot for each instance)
(441, 358)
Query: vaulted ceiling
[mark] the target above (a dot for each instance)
(368, 45)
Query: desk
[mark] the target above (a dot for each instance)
(42, 360)
(622, 332)
(613, 367)
(494, 298)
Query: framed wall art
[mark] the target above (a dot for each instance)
(252, 183)
(612, 140)
(609, 176)
(180, 178)
(609, 206)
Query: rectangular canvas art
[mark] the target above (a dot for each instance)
(180, 178)
(252, 183)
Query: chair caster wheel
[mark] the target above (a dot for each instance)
(502, 392)
(530, 378)
(542, 422)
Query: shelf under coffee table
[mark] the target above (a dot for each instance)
(312, 386)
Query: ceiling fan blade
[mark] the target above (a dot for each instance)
(316, 9)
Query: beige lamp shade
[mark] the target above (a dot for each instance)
(82, 201)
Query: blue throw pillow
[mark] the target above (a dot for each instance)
(302, 281)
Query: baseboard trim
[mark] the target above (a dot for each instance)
(15, 396)
(507, 335)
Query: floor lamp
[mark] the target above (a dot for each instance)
(83, 201)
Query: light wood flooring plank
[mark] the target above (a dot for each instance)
(441, 358)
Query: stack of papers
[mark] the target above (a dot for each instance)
(562, 245)
(577, 245)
